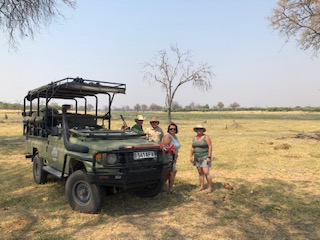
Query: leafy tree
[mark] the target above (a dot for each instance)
(144, 107)
(175, 106)
(90, 107)
(206, 106)
(137, 107)
(105, 108)
(220, 105)
(191, 106)
(172, 74)
(298, 19)
(234, 105)
(155, 107)
(80, 108)
(23, 18)
(125, 108)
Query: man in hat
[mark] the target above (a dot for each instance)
(154, 132)
(138, 126)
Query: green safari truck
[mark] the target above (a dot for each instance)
(68, 143)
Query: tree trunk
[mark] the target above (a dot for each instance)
(169, 115)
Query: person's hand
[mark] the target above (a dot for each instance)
(191, 160)
(208, 160)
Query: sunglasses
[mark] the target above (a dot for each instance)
(154, 122)
(198, 129)
(171, 129)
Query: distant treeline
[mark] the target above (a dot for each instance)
(17, 106)
(268, 109)
(11, 106)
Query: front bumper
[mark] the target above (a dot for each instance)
(131, 177)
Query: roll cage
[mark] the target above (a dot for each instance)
(70, 89)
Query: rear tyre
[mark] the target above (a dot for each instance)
(83, 196)
(151, 190)
(39, 175)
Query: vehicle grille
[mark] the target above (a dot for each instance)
(138, 165)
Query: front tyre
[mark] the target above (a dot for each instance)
(83, 196)
(39, 175)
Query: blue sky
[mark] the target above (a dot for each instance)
(109, 41)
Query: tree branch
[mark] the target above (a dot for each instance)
(24, 17)
(172, 75)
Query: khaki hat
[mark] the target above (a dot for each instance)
(199, 126)
(154, 119)
(140, 118)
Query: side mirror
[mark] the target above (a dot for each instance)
(65, 107)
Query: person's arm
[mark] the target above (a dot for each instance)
(209, 143)
(191, 154)
(166, 140)
(161, 135)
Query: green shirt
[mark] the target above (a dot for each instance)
(138, 129)
(200, 147)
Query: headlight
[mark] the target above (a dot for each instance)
(112, 159)
(106, 159)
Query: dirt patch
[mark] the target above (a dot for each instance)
(283, 146)
(308, 135)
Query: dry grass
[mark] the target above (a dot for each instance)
(274, 193)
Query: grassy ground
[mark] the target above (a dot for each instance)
(273, 192)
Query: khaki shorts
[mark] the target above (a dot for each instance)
(174, 166)
(201, 162)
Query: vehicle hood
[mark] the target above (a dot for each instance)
(109, 141)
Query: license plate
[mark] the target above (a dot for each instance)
(142, 155)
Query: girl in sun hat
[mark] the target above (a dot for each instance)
(200, 156)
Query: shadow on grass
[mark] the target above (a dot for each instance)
(248, 211)
(270, 209)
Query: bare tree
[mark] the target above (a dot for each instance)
(298, 19)
(172, 75)
(23, 18)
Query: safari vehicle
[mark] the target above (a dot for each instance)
(82, 148)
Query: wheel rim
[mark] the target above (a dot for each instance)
(37, 170)
(82, 193)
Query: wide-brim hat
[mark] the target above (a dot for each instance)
(199, 126)
(154, 119)
(140, 118)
